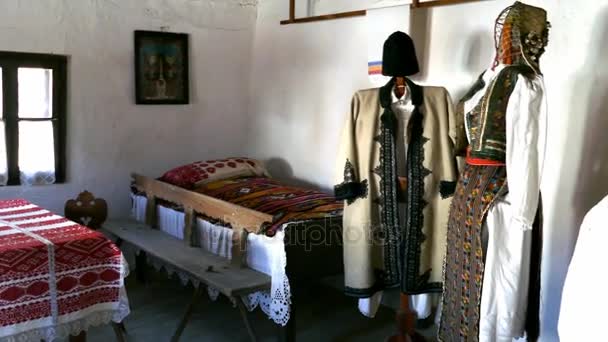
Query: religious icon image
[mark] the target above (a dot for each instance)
(161, 68)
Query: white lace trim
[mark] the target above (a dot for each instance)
(160, 265)
(37, 178)
(75, 327)
(277, 307)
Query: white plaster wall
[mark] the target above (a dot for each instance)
(304, 75)
(108, 135)
(302, 79)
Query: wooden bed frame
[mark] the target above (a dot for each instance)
(242, 220)
(306, 262)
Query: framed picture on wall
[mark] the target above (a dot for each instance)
(161, 68)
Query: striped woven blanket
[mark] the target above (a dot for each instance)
(286, 203)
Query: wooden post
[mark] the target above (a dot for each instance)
(239, 247)
(406, 323)
(189, 219)
(292, 10)
(151, 214)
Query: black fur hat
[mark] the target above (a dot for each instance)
(399, 56)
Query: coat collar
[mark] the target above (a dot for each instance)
(386, 98)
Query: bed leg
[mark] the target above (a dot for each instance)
(182, 324)
(141, 265)
(248, 325)
(288, 332)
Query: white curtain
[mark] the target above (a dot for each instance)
(3, 166)
(36, 138)
(36, 153)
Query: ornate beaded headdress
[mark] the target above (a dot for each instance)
(521, 35)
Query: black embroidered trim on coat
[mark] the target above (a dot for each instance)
(367, 292)
(391, 231)
(413, 282)
(413, 235)
(389, 212)
(350, 189)
(362, 293)
(447, 189)
(379, 285)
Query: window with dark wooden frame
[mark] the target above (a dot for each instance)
(32, 118)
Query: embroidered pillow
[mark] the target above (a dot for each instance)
(201, 172)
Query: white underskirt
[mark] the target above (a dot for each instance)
(506, 276)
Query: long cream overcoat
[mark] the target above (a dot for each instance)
(362, 162)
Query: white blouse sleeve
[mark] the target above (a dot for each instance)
(526, 140)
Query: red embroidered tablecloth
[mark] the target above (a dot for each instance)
(56, 276)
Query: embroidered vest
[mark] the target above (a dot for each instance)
(487, 120)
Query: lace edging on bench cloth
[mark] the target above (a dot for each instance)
(102, 317)
(275, 306)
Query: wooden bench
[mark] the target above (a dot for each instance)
(231, 279)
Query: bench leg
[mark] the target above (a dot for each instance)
(246, 320)
(141, 265)
(182, 324)
(119, 328)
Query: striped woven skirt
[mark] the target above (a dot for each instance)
(477, 189)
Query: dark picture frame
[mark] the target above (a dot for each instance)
(161, 68)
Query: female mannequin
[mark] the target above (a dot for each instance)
(490, 230)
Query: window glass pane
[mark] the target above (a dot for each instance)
(3, 166)
(36, 152)
(35, 92)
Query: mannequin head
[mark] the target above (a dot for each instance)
(521, 35)
(399, 56)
